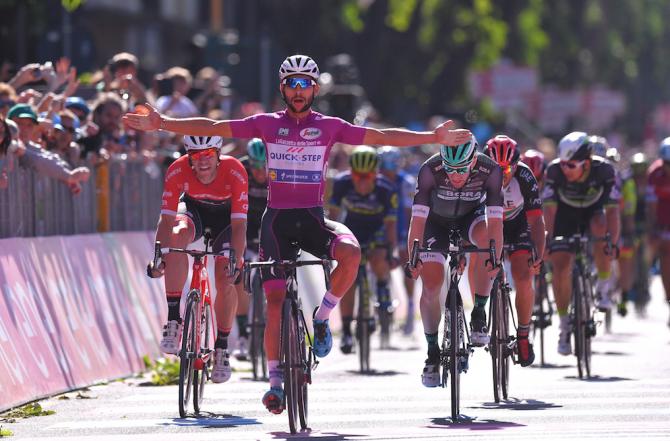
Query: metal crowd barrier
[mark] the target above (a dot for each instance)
(34, 205)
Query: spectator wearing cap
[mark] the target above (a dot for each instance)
(35, 157)
(178, 105)
(78, 106)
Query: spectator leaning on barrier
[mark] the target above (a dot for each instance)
(35, 157)
(107, 112)
(5, 141)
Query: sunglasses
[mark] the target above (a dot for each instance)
(456, 170)
(304, 83)
(571, 165)
(363, 176)
(203, 154)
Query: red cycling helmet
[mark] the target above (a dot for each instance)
(534, 159)
(503, 150)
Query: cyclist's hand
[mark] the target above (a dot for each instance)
(492, 270)
(144, 118)
(535, 266)
(155, 273)
(448, 136)
(413, 273)
(461, 265)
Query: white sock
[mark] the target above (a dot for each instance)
(276, 375)
(565, 322)
(329, 302)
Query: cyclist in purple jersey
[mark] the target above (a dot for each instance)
(298, 142)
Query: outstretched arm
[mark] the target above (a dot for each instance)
(146, 118)
(443, 134)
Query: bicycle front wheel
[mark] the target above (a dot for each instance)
(503, 334)
(579, 323)
(200, 376)
(256, 346)
(290, 361)
(456, 311)
(363, 329)
(187, 354)
(494, 347)
(305, 369)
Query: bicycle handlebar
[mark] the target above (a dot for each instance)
(197, 254)
(284, 265)
(580, 239)
(454, 249)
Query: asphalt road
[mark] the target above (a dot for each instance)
(628, 397)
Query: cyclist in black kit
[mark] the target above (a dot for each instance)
(367, 203)
(579, 194)
(462, 189)
(523, 228)
(255, 164)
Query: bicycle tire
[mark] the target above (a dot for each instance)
(454, 352)
(305, 369)
(187, 353)
(363, 327)
(385, 322)
(588, 315)
(503, 308)
(543, 308)
(289, 352)
(200, 376)
(495, 337)
(256, 344)
(578, 322)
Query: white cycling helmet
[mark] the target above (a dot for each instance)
(299, 65)
(574, 146)
(664, 151)
(202, 142)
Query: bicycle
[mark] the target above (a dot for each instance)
(502, 344)
(385, 307)
(195, 356)
(456, 347)
(295, 343)
(582, 309)
(543, 309)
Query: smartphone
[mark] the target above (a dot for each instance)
(37, 73)
(165, 87)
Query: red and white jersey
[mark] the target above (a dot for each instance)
(230, 186)
(658, 190)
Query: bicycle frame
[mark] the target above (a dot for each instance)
(200, 281)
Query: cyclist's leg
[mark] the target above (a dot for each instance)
(598, 228)
(225, 307)
(379, 263)
(525, 299)
(626, 270)
(347, 314)
(324, 237)
(664, 256)
(478, 235)
(186, 229)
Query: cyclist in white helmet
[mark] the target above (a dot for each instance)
(203, 190)
(298, 142)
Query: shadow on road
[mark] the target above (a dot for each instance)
(518, 404)
(611, 353)
(599, 379)
(376, 373)
(470, 423)
(321, 436)
(550, 366)
(210, 420)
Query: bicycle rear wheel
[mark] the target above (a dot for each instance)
(187, 354)
(456, 310)
(385, 322)
(541, 311)
(589, 325)
(290, 361)
(363, 328)
(200, 376)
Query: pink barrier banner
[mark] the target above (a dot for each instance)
(75, 310)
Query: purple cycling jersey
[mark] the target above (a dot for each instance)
(297, 153)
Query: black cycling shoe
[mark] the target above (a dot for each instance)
(479, 334)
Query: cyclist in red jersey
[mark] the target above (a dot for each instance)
(658, 200)
(204, 191)
(298, 142)
(536, 162)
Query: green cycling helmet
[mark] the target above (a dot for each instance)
(364, 159)
(256, 151)
(460, 155)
